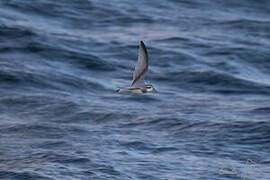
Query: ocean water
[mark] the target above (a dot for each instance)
(61, 62)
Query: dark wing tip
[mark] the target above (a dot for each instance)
(144, 48)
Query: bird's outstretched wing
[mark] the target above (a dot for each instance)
(141, 67)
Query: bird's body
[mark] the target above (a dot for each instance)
(148, 88)
(132, 90)
(138, 85)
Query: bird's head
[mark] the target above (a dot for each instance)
(150, 88)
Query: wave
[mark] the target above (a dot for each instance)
(212, 81)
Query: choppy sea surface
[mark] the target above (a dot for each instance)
(61, 62)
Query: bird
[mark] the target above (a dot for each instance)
(138, 85)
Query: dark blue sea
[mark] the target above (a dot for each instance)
(61, 62)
